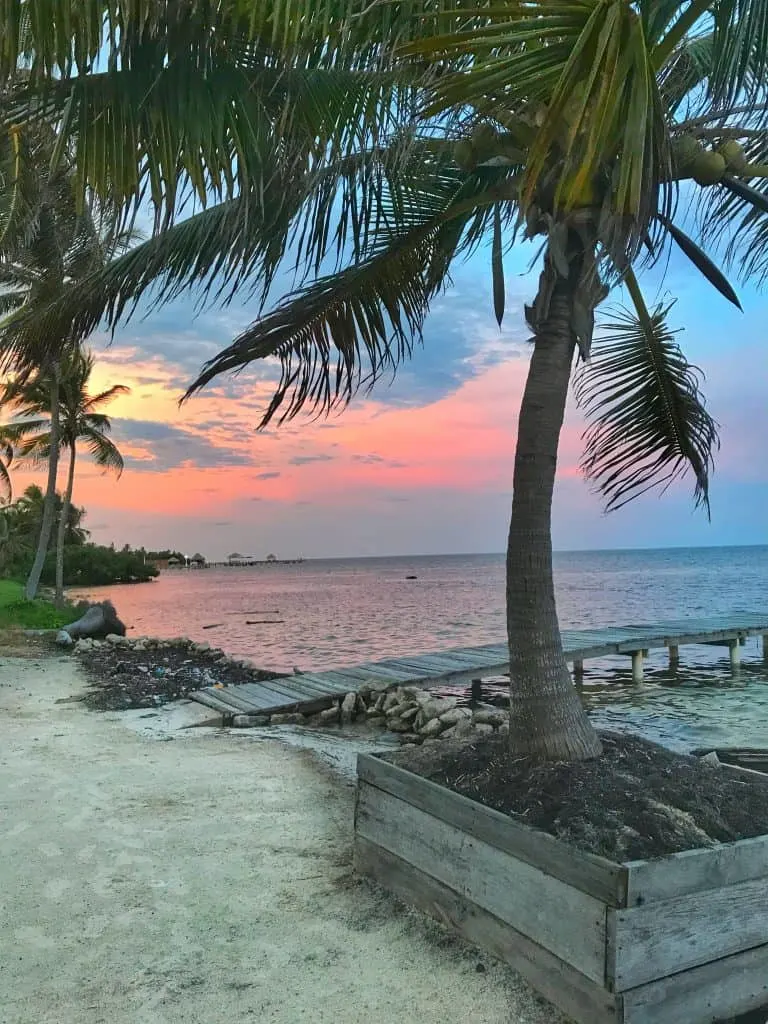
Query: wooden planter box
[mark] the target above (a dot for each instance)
(679, 940)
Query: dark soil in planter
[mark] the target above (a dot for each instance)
(636, 802)
(123, 678)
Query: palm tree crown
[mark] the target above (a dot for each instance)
(78, 418)
(81, 420)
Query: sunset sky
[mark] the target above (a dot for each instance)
(421, 466)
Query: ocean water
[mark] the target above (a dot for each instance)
(324, 614)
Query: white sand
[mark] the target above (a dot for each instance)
(205, 878)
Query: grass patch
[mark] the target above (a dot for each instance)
(15, 610)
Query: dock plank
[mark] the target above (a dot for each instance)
(489, 659)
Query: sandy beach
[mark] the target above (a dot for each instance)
(160, 876)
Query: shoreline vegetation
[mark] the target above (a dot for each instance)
(81, 563)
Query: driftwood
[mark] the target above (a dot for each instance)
(99, 620)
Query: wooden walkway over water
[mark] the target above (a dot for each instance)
(316, 690)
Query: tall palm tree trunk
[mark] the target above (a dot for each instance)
(63, 521)
(547, 720)
(49, 502)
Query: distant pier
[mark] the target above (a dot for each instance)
(239, 564)
(253, 561)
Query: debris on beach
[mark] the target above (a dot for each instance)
(145, 672)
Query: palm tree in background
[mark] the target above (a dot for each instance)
(80, 421)
(381, 144)
(50, 237)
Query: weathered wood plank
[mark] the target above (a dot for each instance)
(237, 705)
(564, 920)
(714, 992)
(471, 657)
(556, 980)
(322, 683)
(415, 667)
(673, 935)
(390, 668)
(336, 681)
(376, 670)
(593, 875)
(585, 653)
(305, 702)
(277, 691)
(437, 663)
(356, 676)
(679, 874)
(203, 697)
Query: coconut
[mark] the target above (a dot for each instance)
(708, 168)
(464, 155)
(733, 154)
(685, 149)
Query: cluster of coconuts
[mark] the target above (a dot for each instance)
(707, 166)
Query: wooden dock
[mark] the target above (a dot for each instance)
(315, 690)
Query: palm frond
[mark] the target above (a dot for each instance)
(92, 403)
(648, 425)
(347, 329)
(689, 66)
(702, 262)
(10, 301)
(739, 51)
(103, 451)
(20, 430)
(212, 110)
(338, 333)
(237, 245)
(35, 448)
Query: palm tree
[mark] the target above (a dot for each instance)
(49, 238)
(579, 127)
(80, 420)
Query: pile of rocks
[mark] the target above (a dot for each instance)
(148, 643)
(416, 715)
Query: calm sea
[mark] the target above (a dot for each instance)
(322, 614)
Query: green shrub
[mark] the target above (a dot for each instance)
(87, 565)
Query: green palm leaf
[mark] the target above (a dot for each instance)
(740, 51)
(213, 107)
(340, 332)
(648, 424)
(102, 450)
(348, 328)
(90, 405)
